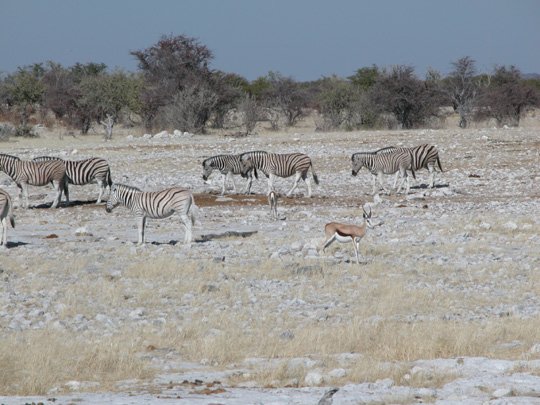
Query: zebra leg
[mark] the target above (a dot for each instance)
(65, 187)
(296, 180)
(223, 179)
(373, 183)
(308, 183)
(21, 200)
(395, 180)
(58, 187)
(404, 173)
(379, 177)
(231, 178)
(432, 174)
(101, 185)
(142, 225)
(3, 241)
(271, 177)
(187, 225)
(247, 188)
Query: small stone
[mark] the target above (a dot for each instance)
(502, 392)
(286, 335)
(338, 373)
(511, 226)
(313, 378)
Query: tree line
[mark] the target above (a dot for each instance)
(175, 87)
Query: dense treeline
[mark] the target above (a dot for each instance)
(175, 87)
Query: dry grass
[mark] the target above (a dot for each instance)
(33, 362)
(373, 320)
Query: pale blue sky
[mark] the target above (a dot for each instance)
(305, 39)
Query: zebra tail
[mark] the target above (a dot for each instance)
(109, 179)
(412, 171)
(439, 164)
(12, 220)
(315, 178)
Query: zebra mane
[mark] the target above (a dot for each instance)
(213, 158)
(358, 154)
(127, 187)
(10, 156)
(254, 152)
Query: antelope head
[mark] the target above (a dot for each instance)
(367, 217)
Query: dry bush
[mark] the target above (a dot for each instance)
(6, 131)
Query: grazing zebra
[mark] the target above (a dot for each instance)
(227, 165)
(81, 172)
(280, 165)
(156, 205)
(6, 211)
(384, 163)
(423, 157)
(25, 172)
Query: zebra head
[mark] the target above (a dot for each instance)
(207, 169)
(114, 199)
(247, 164)
(357, 163)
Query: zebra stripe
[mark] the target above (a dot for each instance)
(81, 172)
(384, 163)
(423, 157)
(25, 172)
(280, 165)
(228, 165)
(6, 211)
(156, 205)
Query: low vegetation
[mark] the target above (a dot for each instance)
(176, 88)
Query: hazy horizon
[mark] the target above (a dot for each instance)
(303, 39)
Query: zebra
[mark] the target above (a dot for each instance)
(6, 211)
(384, 163)
(81, 172)
(424, 157)
(156, 205)
(279, 165)
(26, 172)
(227, 165)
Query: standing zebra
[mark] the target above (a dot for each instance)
(81, 172)
(384, 163)
(25, 172)
(6, 211)
(227, 165)
(423, 157)
(156, 205)
(280, 165)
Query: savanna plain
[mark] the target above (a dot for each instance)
(444, 306)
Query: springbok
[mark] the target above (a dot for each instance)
(272, 202)
(348, 233)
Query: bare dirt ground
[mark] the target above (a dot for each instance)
(445, 306)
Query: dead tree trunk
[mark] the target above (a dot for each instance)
(108, 124)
